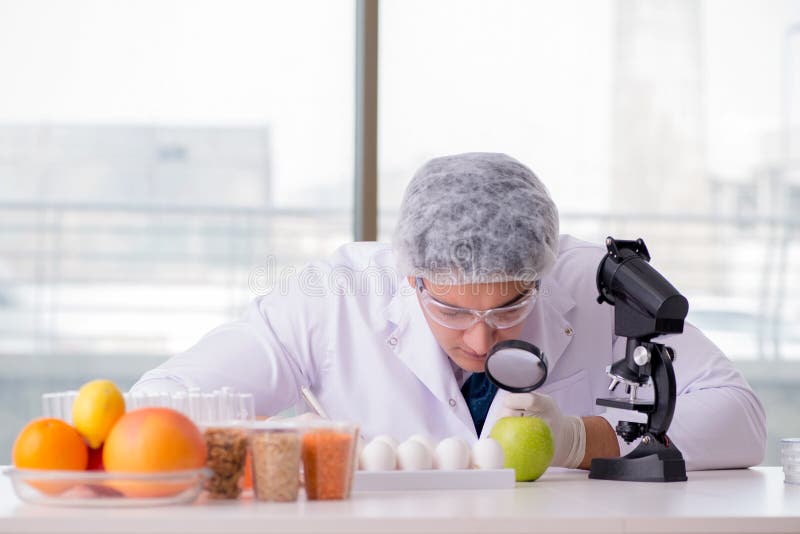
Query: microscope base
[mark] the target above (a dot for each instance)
(649, 462)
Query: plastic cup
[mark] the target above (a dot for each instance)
(226, 453)
(790, 458)
(329, 459)
(275, 449)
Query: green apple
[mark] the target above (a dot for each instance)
(527, 445)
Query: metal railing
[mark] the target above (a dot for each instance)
(113, 278)
(144, 279)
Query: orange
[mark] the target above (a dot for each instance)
(153, 440)
(48, 443)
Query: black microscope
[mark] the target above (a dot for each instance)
(646, 305)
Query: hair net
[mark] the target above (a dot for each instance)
(476, 218)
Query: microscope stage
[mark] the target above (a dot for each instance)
(637, 405)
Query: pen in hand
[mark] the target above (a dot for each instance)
(316, 407)
(313, 402)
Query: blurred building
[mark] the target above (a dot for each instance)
(135, 164)
(657, 144)
(107, 228)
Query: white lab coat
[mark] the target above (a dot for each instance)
(353, 331)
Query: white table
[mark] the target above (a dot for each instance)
(754, 500)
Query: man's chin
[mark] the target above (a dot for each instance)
(471, 365)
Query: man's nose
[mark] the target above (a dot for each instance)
(480, 337)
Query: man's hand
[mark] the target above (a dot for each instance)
(569, 433)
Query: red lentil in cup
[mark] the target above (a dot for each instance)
(328, 452)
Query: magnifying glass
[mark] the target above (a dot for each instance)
(516, 366)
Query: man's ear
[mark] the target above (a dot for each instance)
(411, 281)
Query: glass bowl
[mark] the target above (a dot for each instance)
(104, 489)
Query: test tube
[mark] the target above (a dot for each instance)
(209, 409)
(153, 399)
(180, 402)
(51, 405)
(195, 405)
(224, 404)
(67, 400)
(246, 407)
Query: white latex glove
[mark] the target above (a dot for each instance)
(569, 433)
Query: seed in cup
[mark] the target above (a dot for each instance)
(226, 451)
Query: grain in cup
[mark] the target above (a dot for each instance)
(276, 461)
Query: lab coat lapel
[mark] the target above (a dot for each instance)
(547, 327)
(414, 344)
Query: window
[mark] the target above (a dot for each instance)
(644, 119)
(153, 156)
(156, 157)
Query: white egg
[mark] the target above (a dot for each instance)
(452, 453)
(378, 455)
(425, 441)
(487, 454)
(413, 456)
(388, 439)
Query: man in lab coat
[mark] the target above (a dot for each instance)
(395, 337)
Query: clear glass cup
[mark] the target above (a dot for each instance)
(59, 405)
(329, 459)
(275, 448)
(790, 458)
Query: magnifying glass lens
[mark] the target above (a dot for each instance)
(516, 366)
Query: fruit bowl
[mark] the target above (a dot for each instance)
(104, 489)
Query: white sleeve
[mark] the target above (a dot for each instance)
(275, 348)
(719, 421)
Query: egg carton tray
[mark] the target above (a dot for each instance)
(434, 479)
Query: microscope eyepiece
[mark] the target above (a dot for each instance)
(652, 306)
